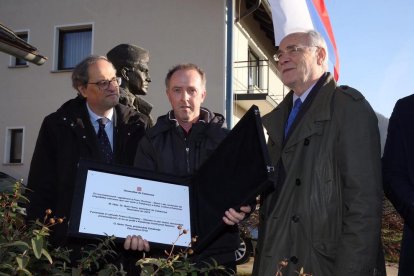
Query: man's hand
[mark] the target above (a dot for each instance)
(136, 243)
(232, 217)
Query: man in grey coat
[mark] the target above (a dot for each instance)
(324, 214)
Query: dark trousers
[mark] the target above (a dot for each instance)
(406, 265)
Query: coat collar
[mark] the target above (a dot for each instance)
(318, 110)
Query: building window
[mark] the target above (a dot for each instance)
(14, 145)
(254, 70)
(19, 62)
(73, 46)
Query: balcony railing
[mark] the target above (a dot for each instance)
(251, 76)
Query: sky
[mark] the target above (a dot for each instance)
(375, 40)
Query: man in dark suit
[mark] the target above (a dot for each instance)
(398, 175)
(73, 132)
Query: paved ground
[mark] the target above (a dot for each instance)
(392, 269)
(246, 269)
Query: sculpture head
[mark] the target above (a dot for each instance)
(131, 64)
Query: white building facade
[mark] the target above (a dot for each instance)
(236, 54)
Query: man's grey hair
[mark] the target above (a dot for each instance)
(316, 39)
(80, 74)
(185, 66)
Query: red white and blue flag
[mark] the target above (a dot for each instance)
(291, 16)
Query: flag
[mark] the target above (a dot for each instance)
(291, 16)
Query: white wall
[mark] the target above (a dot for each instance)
(174, 31)
(247, 34)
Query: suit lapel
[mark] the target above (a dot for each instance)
(309, 122)
(318, 111)
(85, 131)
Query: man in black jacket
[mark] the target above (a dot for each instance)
(70, 133)
(179, 143)
(398, 175)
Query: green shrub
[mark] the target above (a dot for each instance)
(25, 250)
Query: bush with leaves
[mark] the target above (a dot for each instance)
(179, 263)
(21, 247)
(25, 250)
(392, 229)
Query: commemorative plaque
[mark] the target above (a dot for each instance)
(121, 201)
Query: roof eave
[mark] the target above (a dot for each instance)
(11, 44)
(29, 56)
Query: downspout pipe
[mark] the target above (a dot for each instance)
(229, 63)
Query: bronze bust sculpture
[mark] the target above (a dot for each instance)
(131, 64)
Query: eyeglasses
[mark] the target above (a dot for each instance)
(292, 50)
(104, 84)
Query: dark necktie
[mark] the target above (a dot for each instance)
(103, 141)
(292, 115)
